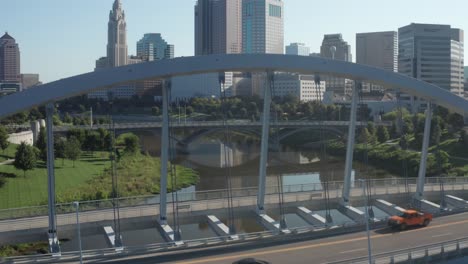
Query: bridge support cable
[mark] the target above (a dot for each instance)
(115, 187)
(364, 120)
(264, 143)
(424, 152)
(279, 180)
(173, 173)
(350, 146)
(227, 156)
(164, 153)
(402, 134)
(54, 245)
(323, 151)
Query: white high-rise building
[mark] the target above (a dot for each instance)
(297, 49)
(434, 54)
(263, 26)
(117, 54)
(378, 49)
(117, 51)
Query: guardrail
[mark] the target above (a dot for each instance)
(422, 254)
(188, 244)
(377, 187)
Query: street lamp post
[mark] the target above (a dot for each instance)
(369, 249)
(77, 206)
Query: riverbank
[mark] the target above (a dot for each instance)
(90, 179)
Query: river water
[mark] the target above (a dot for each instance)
(213, 159)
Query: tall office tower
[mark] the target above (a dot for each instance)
(334, 47)
(378, 49)
(218, 27)
(153, 47)
(117, 50)
(263, 26)
(297, 49)
(9, 60)
(432, 53)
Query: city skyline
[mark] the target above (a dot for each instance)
(84, 40)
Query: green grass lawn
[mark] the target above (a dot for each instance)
(9, 153)
(138, 174)
(31, 190)
(90, 179)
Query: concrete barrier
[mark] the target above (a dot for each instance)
(456, 202)
(110, 234)
(18, 138)
(429, 206)
(389, 208)
(168, 233)
(220, 228)
(270, 224)
(355, 214)
(311, 217)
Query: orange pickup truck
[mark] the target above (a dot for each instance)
(410, 218)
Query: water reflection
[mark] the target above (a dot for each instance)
(210, 156)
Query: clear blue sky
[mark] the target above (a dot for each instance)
(61, 38)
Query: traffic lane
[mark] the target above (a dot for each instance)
(351, 246)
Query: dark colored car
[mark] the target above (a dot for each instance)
(251, 261)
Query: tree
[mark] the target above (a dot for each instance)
(455, 121)
(436, 133)
(67, 118)
(155, 111)
(132, 144)
(3, 138)
(463, 138)
(91, 142)
(41, 144)
(404, 140)
(371, 128)
(382, 134)
(189, 110)
(73, 149)
(59, 145)
(25, 158)
(364, 136)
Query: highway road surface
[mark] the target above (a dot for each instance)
(322, 250)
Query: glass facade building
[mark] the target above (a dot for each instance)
(263, 26)
(153, 47)
(434, 54)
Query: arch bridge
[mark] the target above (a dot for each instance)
(164, 70)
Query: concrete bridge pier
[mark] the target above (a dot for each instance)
(54, 245)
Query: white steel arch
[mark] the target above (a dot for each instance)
(89, 82)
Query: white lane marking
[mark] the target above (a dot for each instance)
(448, 234)
(354, 250)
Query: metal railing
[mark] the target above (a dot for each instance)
(377, 187)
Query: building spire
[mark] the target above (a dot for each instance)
(117, 5)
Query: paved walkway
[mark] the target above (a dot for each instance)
(7, 162)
